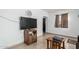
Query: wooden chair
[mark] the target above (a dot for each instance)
(51, 44)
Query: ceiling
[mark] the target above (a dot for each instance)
(54, 10)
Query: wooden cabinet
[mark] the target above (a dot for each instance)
(30, 36)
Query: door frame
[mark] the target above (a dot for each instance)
(45, 24)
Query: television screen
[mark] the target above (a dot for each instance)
(27, 23)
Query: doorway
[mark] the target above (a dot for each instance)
(44, 25)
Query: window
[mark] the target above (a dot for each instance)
(57, 21)
(64, 20)
(61, 22)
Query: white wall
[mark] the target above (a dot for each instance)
(73, 23)
(10, 34)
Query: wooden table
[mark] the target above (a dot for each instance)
(49, 43)
(55, 45)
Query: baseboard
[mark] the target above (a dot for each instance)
(12, 45)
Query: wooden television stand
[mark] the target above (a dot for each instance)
(30, 36)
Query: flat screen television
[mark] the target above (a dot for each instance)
(27, 23)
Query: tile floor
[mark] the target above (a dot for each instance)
(42, 43)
